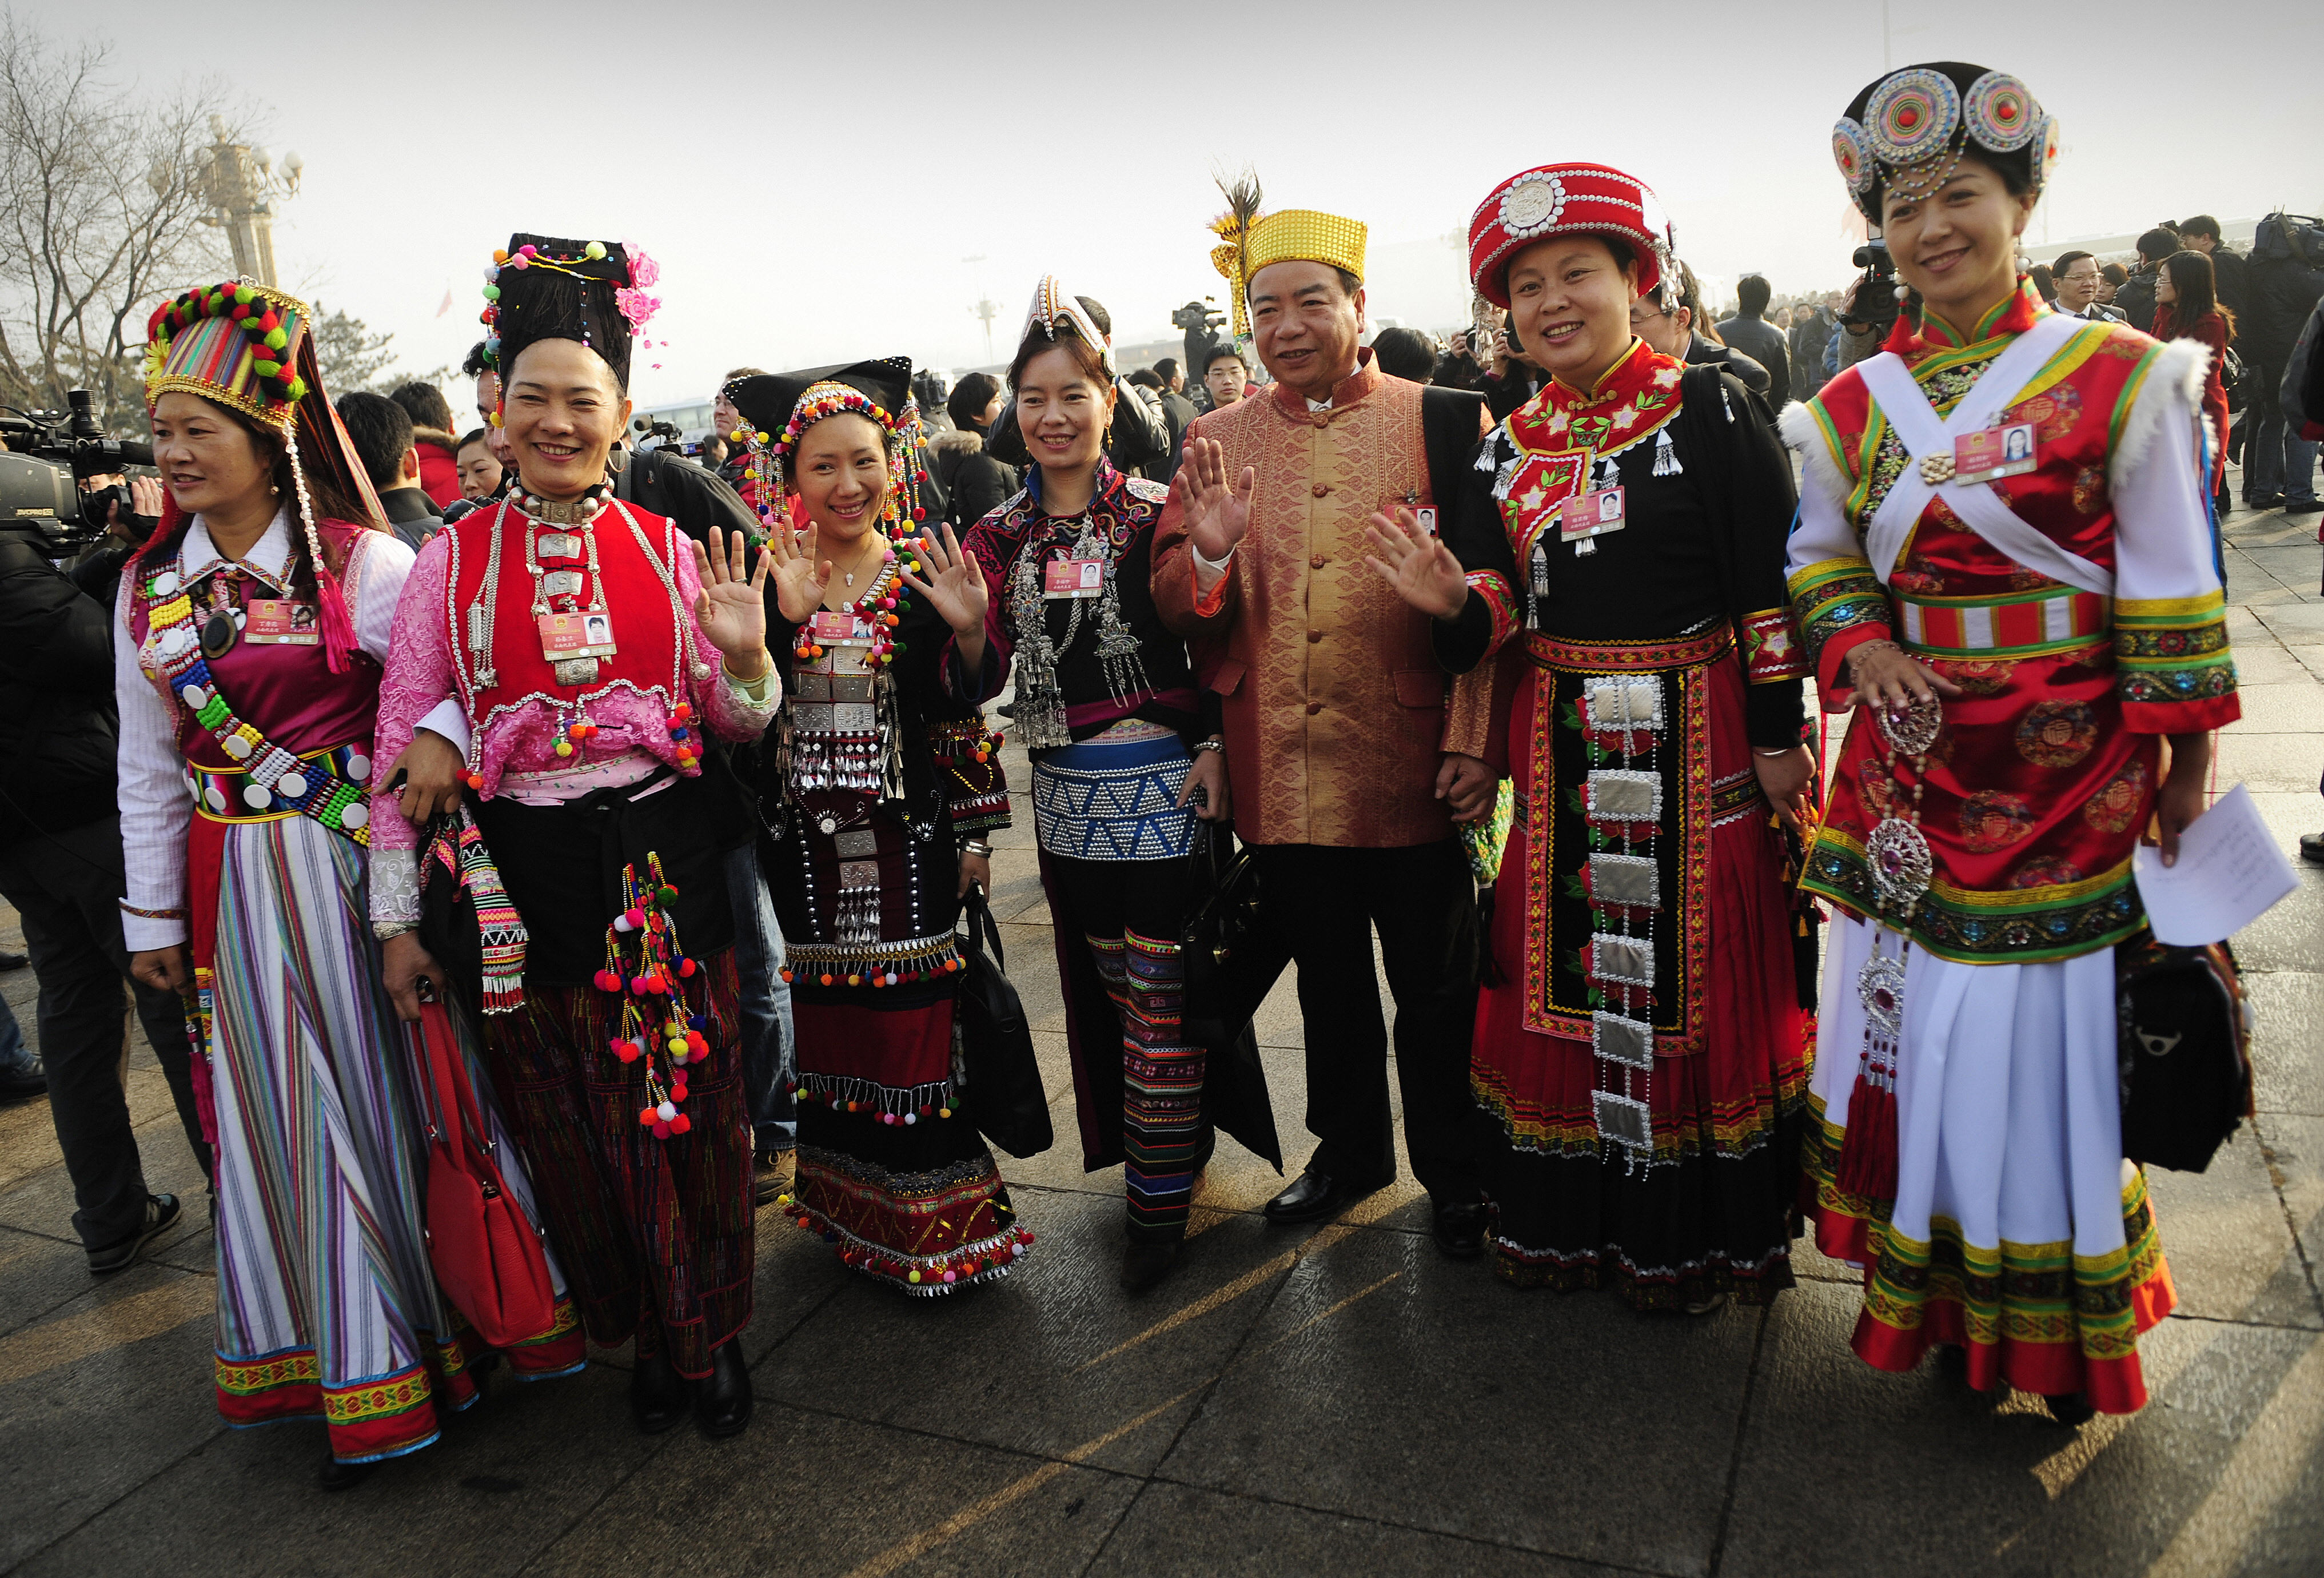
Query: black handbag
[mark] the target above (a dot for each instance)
(1234, 956)
(2185, 1051)
(1000, 1075)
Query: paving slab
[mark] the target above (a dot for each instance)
(2294, 1147)
(1386, 1383)
(808, 1492)
(2287, 1075)
(1179, 1528)
(2228, 1242)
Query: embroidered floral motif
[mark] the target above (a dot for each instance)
(2057, 733)
(1991, 819)
(2121, 802)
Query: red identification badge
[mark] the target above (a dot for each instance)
(840, 628)
(576, 635)
(1594, 513)
(1995, 452)
(1073, 577)
(277, 622)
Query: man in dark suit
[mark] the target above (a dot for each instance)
(1750, 333)
(382, 434)
(1671, 330)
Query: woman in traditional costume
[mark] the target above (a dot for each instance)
(1106, 704)
(1619, 553)
(2017, 631)
(257, 620)
(574, 647)
(881, 786)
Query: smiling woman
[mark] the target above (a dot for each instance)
(575, 649)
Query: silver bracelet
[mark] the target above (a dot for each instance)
(977, 848)
(1786, 751)
(1199, 746)
(388, 930)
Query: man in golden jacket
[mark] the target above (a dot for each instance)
(1349, 753)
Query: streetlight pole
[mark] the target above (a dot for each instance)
(239, 183)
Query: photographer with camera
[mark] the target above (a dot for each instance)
(60, 855)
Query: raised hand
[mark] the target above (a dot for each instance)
(953, 584)
(1217, 515)
(732, 607)
(1419, 567)
(800, 577)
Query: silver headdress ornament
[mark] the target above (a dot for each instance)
(1054, 304)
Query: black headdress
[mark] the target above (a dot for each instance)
(1908, 130)
(778, 407)
(547, 288)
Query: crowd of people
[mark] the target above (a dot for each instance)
(622, 814)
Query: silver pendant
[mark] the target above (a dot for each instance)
(828, 823)
(557, 545)
(561, 584)
(1914, 727)
(1902, 864)
(1881, 984)
(573, 672)
(1623, 1120)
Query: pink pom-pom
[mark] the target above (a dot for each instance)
(661, 1130)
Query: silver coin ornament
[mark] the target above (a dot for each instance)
(1902, 864)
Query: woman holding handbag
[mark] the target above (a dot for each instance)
(2019, 636)
(257, 621)
(1122, 767)
(879, 791)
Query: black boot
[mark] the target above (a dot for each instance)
(657, 1395)
(2071, 1409)
(1144, 1264)
(721, 1404)
(335, 1475)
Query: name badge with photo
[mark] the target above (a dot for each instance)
(576, 635)
(1996, 452)
(277, 622)
(843, 627)
(1425, 517)
(1593, 514)
(1073, 577)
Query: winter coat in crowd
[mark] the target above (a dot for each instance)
(2283, 282)
(57, 724)
(972, 479)
(2302, 392)
(439, 464)
(1809, 335)
(1763, 342)
(2135, 302)
(1701, 350)
(2231, 278)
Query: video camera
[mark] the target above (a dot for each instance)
(671, 438)
(50, 454)
(1876, 304)
(1196, 316)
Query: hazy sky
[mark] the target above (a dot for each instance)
(813, 177)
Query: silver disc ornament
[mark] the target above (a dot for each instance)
(1902, 865)
(1914, 727)
(1881, 984)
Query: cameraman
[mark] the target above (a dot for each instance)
(60, 865)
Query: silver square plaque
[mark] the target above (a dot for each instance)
(854, 717)
(561, 584)
(1632, 880)
(811, 687)
(1623, 1121)
(1618, 796)
(850, 688)
(857, 843)
(811, 717)
(1619, 1039)
(1627, 961)
(857, 875)
(1620, 703)
(557, 545)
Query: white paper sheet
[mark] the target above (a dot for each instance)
(2229, 874)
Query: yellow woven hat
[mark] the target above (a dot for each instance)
(1251, 241)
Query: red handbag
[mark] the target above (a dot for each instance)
(485, 1252)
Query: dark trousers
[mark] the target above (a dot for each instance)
(1423, 903)
(67, 887)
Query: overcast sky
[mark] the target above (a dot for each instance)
(813, 177)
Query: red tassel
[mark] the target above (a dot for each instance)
(1867, 1153)
(338, 630)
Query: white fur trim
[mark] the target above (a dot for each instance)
(2172, 390)
(1802, 432)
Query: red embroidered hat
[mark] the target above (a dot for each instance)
(1566, 200)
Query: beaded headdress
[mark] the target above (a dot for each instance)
(1567, 199)
(542, 287)
(776, 407)
(247, 347)
(1908, 130)
(1054, 305)
(1249, 241)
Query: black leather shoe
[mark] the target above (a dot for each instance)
(721, 1404)
(1313, 1195)
(1145, 1264)
(1459, 1229)
(2312, 847)
(21, 1084)
(335, 1475)
(2073, 1411)
(658, 1395)
(11, 960)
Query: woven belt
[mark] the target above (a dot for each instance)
(324, 785)
(2054, 620)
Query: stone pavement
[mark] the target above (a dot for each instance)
(1332, 1398)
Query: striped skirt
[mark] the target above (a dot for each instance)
(327, 1308)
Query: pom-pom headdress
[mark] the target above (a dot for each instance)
(1908, 131)
(1568, 199)
(545, 288)
(248, 348)
(1054, 305)
(1249, 241)
(777, 408)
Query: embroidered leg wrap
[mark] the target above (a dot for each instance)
(1162, 1091)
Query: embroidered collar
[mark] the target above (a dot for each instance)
(269, 558)
(2008, 318)
(1630, 401)
(1345, 392)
